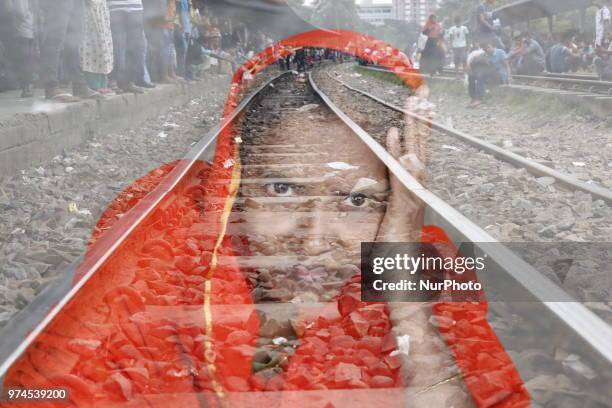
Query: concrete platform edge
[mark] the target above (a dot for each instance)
(30, 139)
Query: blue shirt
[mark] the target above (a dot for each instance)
(498, 59)
(182, 8)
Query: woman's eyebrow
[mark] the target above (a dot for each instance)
(370, 186)
(274, 174)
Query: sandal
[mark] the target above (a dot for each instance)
(85, 92)
(56, 95)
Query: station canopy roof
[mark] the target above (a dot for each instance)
(523, 10)
(275, 17)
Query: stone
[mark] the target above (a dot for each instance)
(272, 328)
(346, 372)
(508, 229)
(381, 381)
(356, 325)
(347, 303)
(238, 337)
(546, 181)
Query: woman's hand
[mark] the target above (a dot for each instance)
(403, 220)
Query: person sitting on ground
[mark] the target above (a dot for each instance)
(530, 57)
(457, 35)
(562, 56)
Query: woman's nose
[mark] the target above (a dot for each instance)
(315, 242)
(316, 246)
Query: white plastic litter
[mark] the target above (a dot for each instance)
(573, 362)
(279, 340)
(449, 147)
(307, 108)
(449, 122)
(228, 163)
(162, 135)
(579, 164)
(403, 345)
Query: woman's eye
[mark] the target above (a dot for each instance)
(280, 189)
(357, 200)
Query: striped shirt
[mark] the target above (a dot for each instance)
(124, 5)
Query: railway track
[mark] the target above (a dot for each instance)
(519, 161)
(587, 85)
(161, 310)
(460, 165)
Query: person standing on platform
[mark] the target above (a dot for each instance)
(433, 55)
(457, 36)
(97, 46)
(602, 22)
(126, 17)
(17, 37)
(182, 37)
(62, 36)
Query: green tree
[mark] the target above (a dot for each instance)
(400, 34)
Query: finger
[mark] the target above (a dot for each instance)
(394, 143)
(417, 130)
(414, 166)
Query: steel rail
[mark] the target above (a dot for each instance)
(22, 335)
(546, 75)
(571, 81)
(505, 155)
(581, 321)
(605, 87)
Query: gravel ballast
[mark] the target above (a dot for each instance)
(48, 212)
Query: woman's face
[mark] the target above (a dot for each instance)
(310, 188)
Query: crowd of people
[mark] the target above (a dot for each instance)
(85, 49)
(489, 57)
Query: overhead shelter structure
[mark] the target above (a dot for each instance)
(524, 11)
(274, 17)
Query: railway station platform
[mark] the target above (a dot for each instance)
(34, 130)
